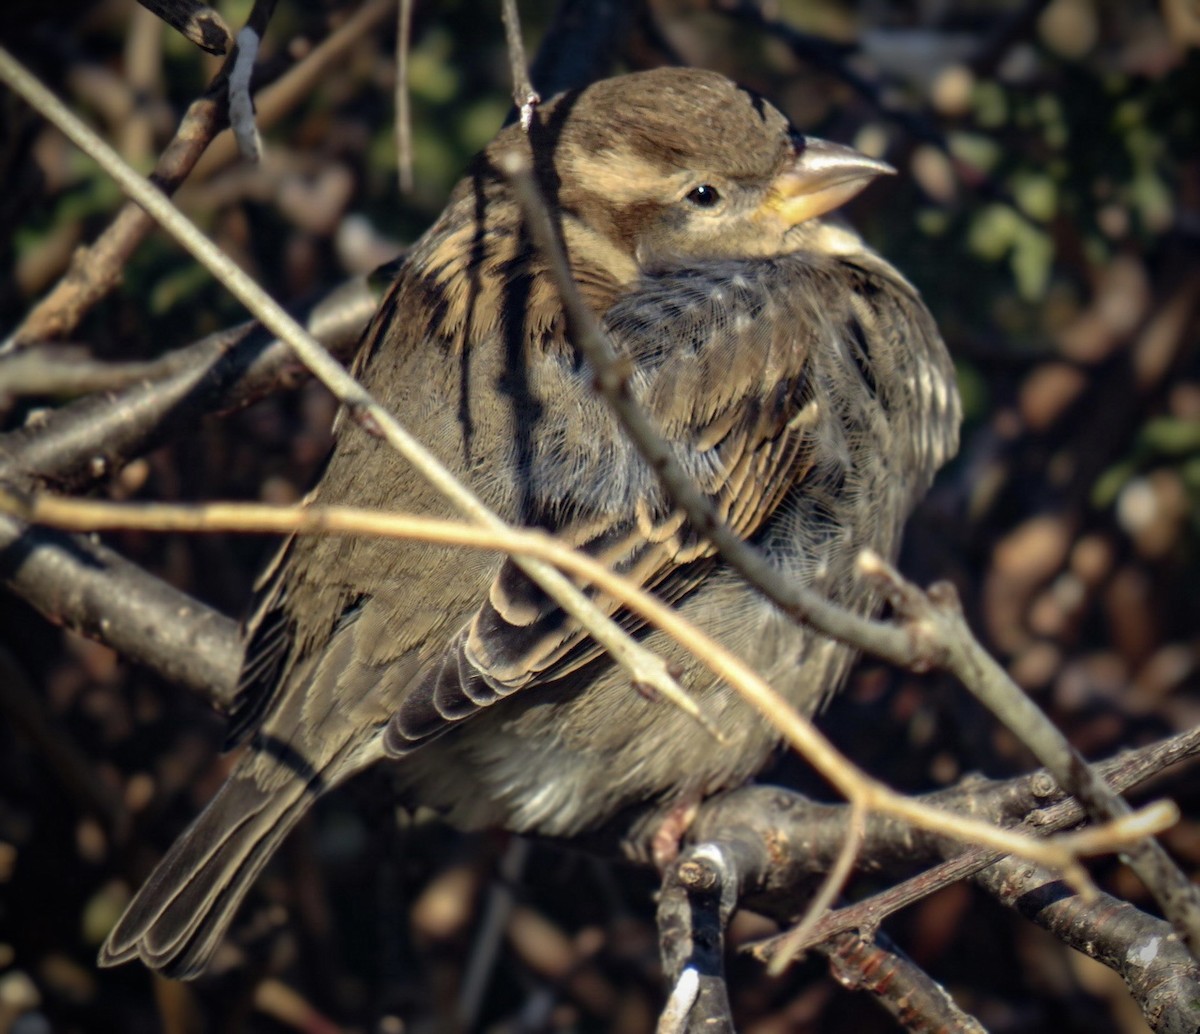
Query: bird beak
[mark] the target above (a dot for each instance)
(823, 177)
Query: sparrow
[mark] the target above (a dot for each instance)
(797, 376)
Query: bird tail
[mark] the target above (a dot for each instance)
(178, 918)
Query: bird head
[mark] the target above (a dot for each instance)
(676, 164)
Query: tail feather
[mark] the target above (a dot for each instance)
(178, 918)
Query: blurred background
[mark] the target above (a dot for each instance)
(1048, 209)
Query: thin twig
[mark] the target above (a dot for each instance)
(404, 146)
(241, 104)
(827, 893)
(525, 97)
(83, 442)
(273, 102)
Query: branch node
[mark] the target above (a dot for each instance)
(906, 599)
(944, 596)
(698, 876)
(528, 107)
(1042, 785)
(361, 414)
(241, 105)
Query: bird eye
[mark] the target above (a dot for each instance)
(704, 196)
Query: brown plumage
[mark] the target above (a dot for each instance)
(800, 380)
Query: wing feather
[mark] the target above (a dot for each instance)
(685, 333)
(748, 370)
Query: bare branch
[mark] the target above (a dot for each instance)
(275, 101)
(546, 551)
(937, 617)
(1158, 970)
(196, 21)
(94, 591)
(698, 896)
(84, 442)
(917, 1001)
(832, 886)
(404, 156)
(525, 97)
(96, 270)
(1034, 800)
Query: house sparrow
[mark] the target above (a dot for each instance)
(799, 379)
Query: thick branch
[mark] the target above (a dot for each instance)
(90, 589)
(699, 894)
(799, 839)
(917, 1001)
(785, 842)
(1160, 974)
(85, 441)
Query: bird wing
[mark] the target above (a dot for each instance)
(719, 356)
(762, 376)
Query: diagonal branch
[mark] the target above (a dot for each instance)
(96, 270)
